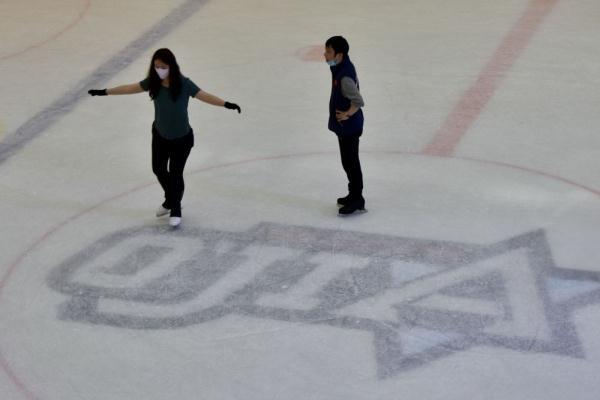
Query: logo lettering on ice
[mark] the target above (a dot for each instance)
(420, 299)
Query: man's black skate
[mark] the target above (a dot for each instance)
(342, 201)
(353, 205)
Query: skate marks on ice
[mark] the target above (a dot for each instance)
(420, 299)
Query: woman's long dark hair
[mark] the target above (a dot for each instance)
(166, 56)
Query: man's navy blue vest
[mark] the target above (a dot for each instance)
(354, 124)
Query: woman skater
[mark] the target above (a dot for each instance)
(172, 136)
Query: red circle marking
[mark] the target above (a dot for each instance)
(28, 393)
(54, 36)
(311, 53)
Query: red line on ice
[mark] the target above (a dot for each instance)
(474, 100)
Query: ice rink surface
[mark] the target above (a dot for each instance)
(474, 275)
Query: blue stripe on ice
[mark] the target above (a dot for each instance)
(403, 272)
(418, 340)
(563, 289)
(43, 120)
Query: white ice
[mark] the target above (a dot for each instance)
(475, 274)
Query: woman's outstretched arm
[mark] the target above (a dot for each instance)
(123, 89)
(216, 101)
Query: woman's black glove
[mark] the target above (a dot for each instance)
(233, 106)
(96, 92)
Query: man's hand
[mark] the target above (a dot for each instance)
(341, 115)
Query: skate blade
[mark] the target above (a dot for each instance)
(357, 212)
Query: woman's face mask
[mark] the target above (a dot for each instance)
(162, 72)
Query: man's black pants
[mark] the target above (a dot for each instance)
(350, 161)
(168, 161)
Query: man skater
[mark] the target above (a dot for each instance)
(346, 120)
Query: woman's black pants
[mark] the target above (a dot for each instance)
(168, 161)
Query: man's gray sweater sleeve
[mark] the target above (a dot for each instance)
(351, 92)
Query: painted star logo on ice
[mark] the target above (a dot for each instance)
(420, 299)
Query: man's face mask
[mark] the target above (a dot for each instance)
(330, 57)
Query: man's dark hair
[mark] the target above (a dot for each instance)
(338, 44)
